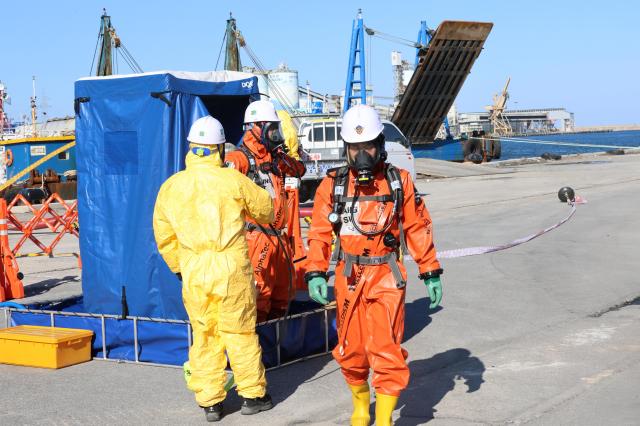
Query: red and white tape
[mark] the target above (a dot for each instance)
(473, 251)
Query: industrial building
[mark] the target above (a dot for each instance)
(522, 121)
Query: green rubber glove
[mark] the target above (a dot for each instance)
(318, 290)
(434, 288)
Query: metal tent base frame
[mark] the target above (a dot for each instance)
(165, 342)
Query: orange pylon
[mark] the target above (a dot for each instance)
(11, 282)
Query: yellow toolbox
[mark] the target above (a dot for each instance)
(48, 347)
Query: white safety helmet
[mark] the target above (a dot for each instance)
(361, 123)
(206, 131)
(260, 111)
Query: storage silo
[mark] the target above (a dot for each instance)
(284, 84)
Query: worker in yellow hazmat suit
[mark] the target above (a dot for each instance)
(290, 133)
(198, 223)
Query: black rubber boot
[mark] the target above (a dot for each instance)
(213, 413)
(255, 405)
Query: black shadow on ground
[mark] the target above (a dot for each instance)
(417, 316)
(46, 285)
(284, 381)
(432, 379)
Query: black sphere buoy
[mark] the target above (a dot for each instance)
(566, 193)
(550, 156)
(475, 158)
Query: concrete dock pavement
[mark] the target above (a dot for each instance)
(542, 333)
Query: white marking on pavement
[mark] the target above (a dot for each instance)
(598, 377)
(590, 336)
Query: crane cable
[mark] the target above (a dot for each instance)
(272, 85)
(279, 94)
(118, 47)
(95, 52)
(392, 38)
(128, 57)
(224, 37)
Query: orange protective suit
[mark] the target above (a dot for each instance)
(271, 255)
(370, 302)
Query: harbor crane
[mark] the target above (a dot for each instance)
(231, 43)
(111, 49)
(444, 58)
(499, 122)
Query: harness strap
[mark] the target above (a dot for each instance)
(390, 258)
(252, 173)
(251, 227)
(403, 240)
(340, 187)
(352, 297)
(336, 249)
(395, 184)
(382, 198)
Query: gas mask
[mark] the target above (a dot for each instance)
(271, 136)
(364, 164)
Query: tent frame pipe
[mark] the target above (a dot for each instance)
(154, 364)
(104, 334)
(135, 339)
(279, 364)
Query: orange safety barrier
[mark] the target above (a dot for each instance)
(46, 216)
(11, 285)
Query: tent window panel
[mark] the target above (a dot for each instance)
(121, 152)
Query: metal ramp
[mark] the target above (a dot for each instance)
(439, 77)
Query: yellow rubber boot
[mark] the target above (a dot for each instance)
(385, 405)
(360, 397)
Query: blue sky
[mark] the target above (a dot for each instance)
(581, 55)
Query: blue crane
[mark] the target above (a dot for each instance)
(356, 84)
(356, 88)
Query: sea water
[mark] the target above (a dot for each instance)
(514, 149)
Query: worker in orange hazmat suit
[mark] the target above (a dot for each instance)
(198, 222)
(262, 157)
(292, 190)
(374, 210)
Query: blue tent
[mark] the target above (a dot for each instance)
(131, 136)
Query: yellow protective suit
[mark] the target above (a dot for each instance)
(198, 223)
(290, 133)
